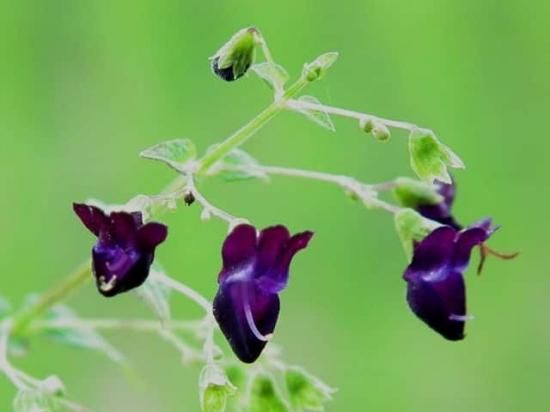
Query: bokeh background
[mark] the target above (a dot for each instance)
(86, 85)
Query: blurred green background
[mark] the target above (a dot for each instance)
(86, 85)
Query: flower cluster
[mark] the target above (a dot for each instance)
(255, 269)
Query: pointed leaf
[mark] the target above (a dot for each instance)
(237, 165)
(214, 388)
(430, 158)
(317, 116)
(273, 74)
(175, 153)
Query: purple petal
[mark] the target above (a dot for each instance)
(434, 251)
(151, 235)
(231, 304)
(275, 278)
(122, 227)
(270, 246)
(466, 241)
(440, 303)
(239, 248)
(91, 216)
(118, 270)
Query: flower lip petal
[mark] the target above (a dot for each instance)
(270, 245)
(466, 241)
(151, 235)
(91, 216)
(123, 227)
(239, 248)
(275, 279)
(434, 251)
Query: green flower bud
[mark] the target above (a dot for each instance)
(381, 132)
(366, 124)
(317, 68)
(236, 56)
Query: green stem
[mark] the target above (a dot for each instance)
(248, 130)
(57, 293)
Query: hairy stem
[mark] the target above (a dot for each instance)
(135, 325)
(57, 293)
(366, 192)
(304, 105)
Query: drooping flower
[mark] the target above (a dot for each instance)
(436, 291)
(125, 247)
(255, 269)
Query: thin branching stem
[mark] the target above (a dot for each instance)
(206, 205)
(306, 105)
(135, 325)
(365, 192)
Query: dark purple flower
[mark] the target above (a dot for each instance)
(441, 212)
(435, 285)
(255, 269)
(125, 248)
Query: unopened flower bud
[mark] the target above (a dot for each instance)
(317, 68)
(205, 214)
(189, 198)
(366, 124)
(236, 56)
(381, 132)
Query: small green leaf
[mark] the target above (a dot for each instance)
(413, 193)
(34, 400)
(317, 116)
(237, 165)
(273, 74)
(307, 393)
(175, 153)
(412, 227)
(83, 336)
(318, 68)
(214, 388)
(264, 396)
(156, 294)
(430, 158)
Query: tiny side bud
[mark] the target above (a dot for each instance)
(381, 132)
(205, 214)
(189, 198)
(366, 124)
